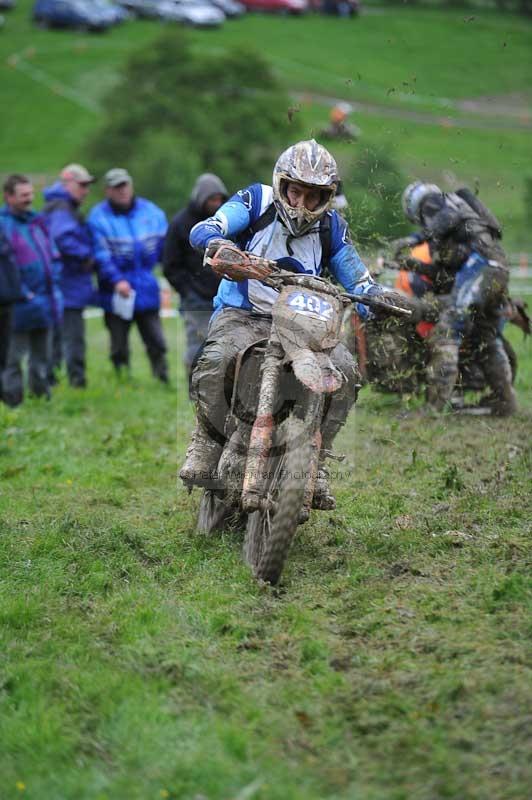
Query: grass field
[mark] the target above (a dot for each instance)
(139, 661)
(400, 59)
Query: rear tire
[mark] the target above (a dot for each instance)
(269, 534)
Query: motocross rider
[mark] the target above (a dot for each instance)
(464, 239)
(284, 222)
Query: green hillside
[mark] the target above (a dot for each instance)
(417, 65)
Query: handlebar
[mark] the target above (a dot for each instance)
(269, 273)
(374, 302)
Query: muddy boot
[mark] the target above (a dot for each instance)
(323, 499)
(201, 459)
(442, 373)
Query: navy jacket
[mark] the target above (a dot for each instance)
(73, 239)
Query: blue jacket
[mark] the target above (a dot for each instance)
(39, 265)
(73, 239)
(301, 254)
(127, 246)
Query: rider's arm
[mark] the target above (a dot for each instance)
(233, 217)
(347, 266)
(413, 239)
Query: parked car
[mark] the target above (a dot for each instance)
(199, 13)
(151, 9)
(73, 14)
(341, 8)
(231, 8)
(279, 6)
(115, 11)
(143, 8)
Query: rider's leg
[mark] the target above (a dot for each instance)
(342, 400)
(339, 407)
(492, 355)
(230, 332)
(498, 373)
(442, 369)
(444, 346)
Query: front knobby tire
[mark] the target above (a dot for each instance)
(269, 534)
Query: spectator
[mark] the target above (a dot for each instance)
(183, 266)
(128, 234)
(10, 292)
(73, 240)
(42, 304)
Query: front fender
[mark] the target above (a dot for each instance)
(316, 371)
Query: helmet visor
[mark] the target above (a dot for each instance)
(315, 200)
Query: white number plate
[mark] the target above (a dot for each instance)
(310, 304)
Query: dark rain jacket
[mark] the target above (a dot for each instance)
(182, 265)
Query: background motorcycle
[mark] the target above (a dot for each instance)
(393, 355)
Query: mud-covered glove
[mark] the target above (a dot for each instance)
(398, 245)
(386, 304)
(212, 248)
(228, 261)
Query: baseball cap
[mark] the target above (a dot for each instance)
(76, 172)
(117, 176)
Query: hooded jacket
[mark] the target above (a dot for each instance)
(73, 239)
(39, 267)
(127, 246)
(182, 265)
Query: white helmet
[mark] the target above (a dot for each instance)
(413, 196)
(312, 165)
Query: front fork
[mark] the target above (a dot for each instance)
(254, 490)
(261, 437)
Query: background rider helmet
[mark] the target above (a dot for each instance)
(413, 197)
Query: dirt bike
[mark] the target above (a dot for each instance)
(393, 356)
(267, 471)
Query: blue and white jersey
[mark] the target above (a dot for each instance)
(300, 254)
